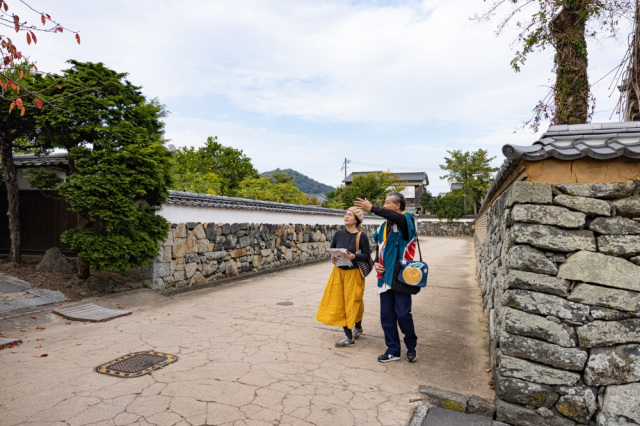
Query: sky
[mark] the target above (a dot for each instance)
(305, 84)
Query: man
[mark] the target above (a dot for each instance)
(396, 238)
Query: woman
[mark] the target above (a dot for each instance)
(342, 303)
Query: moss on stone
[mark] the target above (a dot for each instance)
(453, 406)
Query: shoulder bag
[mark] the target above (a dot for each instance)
(410, 275)
(366, 266)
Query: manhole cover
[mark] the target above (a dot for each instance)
(285, 303)
(136, 364)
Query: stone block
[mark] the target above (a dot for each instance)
(598, 190)
(209, 269)
(230, 242)
(607, 297)
(537, 282)
(543, 352)
(161, 270)
(517, 415)
(181, 230)
(608, 314)
(608, 333)
(548, 215)
(529, 193)
(526, 393)
(179, 248)
(589, 206)
(614, 226)
(551, 238)
(245, 242)
(199, 232)
(525, 324)
(628, 207)
(476, 405)
(191, 243)
(210, 232)
(619, 245)
(598, 268)
(234, 254)
(449, 400)
(578, 403)
(526, 258)
(190, 269)
(546, 304)
(613, 366)
(536, 373)
(203, 246)
(620, 401)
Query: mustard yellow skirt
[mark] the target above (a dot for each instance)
(342, 303)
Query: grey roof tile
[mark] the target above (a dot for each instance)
(600, 141)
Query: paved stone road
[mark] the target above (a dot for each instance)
(246, 360)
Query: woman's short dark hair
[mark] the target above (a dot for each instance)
(398, 198)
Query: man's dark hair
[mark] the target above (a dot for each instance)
(398, 198)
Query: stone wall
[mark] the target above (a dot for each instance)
(199, 253)
(446, 228)
(560, 277)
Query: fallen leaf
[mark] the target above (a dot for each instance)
(17, 327)
(33, 317)
(1, 333)
(39, 340)
(447, 332)
(67, 322)
(487, 369)
(41, 356)
(78, 344)
(40, 328)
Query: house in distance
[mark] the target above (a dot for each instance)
(415, 183)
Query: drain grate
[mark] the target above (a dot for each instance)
(136, 364)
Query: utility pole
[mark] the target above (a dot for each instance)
(344, 166)
(631, 80)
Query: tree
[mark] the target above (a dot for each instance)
(426, 202)
(565, 26)
(278, 188)
(10, 52)
(449, 206)
(119, 166)
(16, 76)
(373, 186)
(14, 128)
(221, 166)
(472, 171)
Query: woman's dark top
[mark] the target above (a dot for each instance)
(346, 240)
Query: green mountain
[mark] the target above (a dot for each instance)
(304, 183)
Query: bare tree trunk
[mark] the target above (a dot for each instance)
(10, 177)
(572, 83)
(632, 80)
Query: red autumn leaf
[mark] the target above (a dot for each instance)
(16, 22)
(13, 85)
(48, 16)
(33, 36)
(487, 370)
(22, 111)
(40, 328)
(43, 19)
(39, 340)
(19, 55)
(19, 102)
(44, 355)
(17, 327)
(58, 86)
(34, 67)
(1, 333)
(32, 317)
(67, 322)
(21, 74)
(28, 38)
(39, 103)
(78, 38)
(59, 29)
(5, 5)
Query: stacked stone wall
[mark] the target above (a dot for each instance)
(199, 253)
(446, 228)
(560, 277)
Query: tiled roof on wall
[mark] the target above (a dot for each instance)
(58, 159)
(218, 201)
(570, 142)
(402, 176)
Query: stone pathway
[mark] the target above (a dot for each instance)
(246, 359)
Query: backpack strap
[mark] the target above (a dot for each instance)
(358, 241)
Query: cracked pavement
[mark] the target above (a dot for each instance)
(243, 359)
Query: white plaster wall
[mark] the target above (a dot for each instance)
(181, 214)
